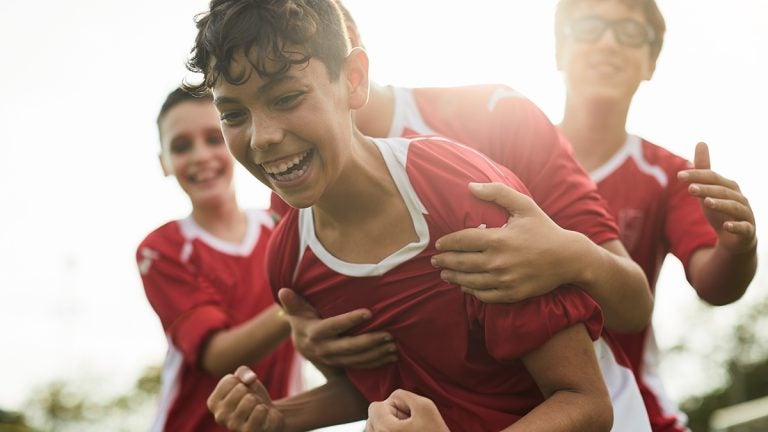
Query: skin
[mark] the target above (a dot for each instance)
(484, 264)
(193, 150)
(601, 79)
(306, 115)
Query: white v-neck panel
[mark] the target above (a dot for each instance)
(254, 220)
(406, 114)
(395, 152)
(632, 148)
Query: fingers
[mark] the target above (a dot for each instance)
(320, 330)
(701, 157)
(714, 191)
(740, 228)
(513, 201)
(468, 240)
(232, 402)
(246, 375)
(472, 262)
(706, 177)
(369, 359)
(295, 305)
(731, 209)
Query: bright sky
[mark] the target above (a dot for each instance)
(81, 186)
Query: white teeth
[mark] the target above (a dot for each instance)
(284, 165)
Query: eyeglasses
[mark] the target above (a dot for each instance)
(628, 32)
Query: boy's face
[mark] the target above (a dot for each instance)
(293, 132)
(608, 67)
(193, 150)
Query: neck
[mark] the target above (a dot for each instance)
(596, 131)
(360, 192)
(362, 218)
(224, 219)
(375, 118)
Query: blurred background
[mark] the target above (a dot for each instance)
(80, 183)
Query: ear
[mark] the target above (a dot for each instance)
(165, 164)
(356, 76)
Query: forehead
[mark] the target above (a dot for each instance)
(255, 86)
(611, 9)
(188, 117)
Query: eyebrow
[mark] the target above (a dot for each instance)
(265, 88)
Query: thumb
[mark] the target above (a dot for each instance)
(701, 158)
(295, 305)
(511, 200)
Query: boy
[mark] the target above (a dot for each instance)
(286, 87)
(204, 275)
(605, 49)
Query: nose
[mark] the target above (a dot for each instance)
(200, 149)
(608, 37)
(266, 132)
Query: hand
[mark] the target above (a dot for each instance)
(319, 341)
(242, 404)
(529, 256)
(404, 411)
(725, 207)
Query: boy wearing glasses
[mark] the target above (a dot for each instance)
(605, 49)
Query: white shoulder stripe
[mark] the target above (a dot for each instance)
(171, 383)
(502, 93)
(632, 148)
(407, 115)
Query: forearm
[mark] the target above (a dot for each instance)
(246, 343)
(616, 283)
(335, 402)
(565, 411)
(721, 277)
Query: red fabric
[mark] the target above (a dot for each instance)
(463, 354)
(196, 289)
(656, 215)
(512, 131)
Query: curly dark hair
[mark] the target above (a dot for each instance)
(650, 10)
(273, 36)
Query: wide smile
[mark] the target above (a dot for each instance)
(290, 168)
(205, 176)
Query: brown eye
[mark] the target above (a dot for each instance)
(180, 146)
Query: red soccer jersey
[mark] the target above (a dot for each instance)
(656, 215)
(198, 284)
(513, 132)
(461, 353)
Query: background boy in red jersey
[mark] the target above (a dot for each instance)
(663, 203)
(286, 85)
(204, 275)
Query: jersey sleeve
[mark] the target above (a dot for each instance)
(686, 227)
(526, 142)
(283, 252)
(514, 330)
(442, 171)
(189, 307)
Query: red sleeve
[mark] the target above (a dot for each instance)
(514, 330)
(686, 227)
(529, 145)
(283, 252)
(442, 171)
(188, 305)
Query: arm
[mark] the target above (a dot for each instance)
(242, 404)
(247, 343)
(721, 274)
(489, 264)
(320, 341)
(565, 369)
